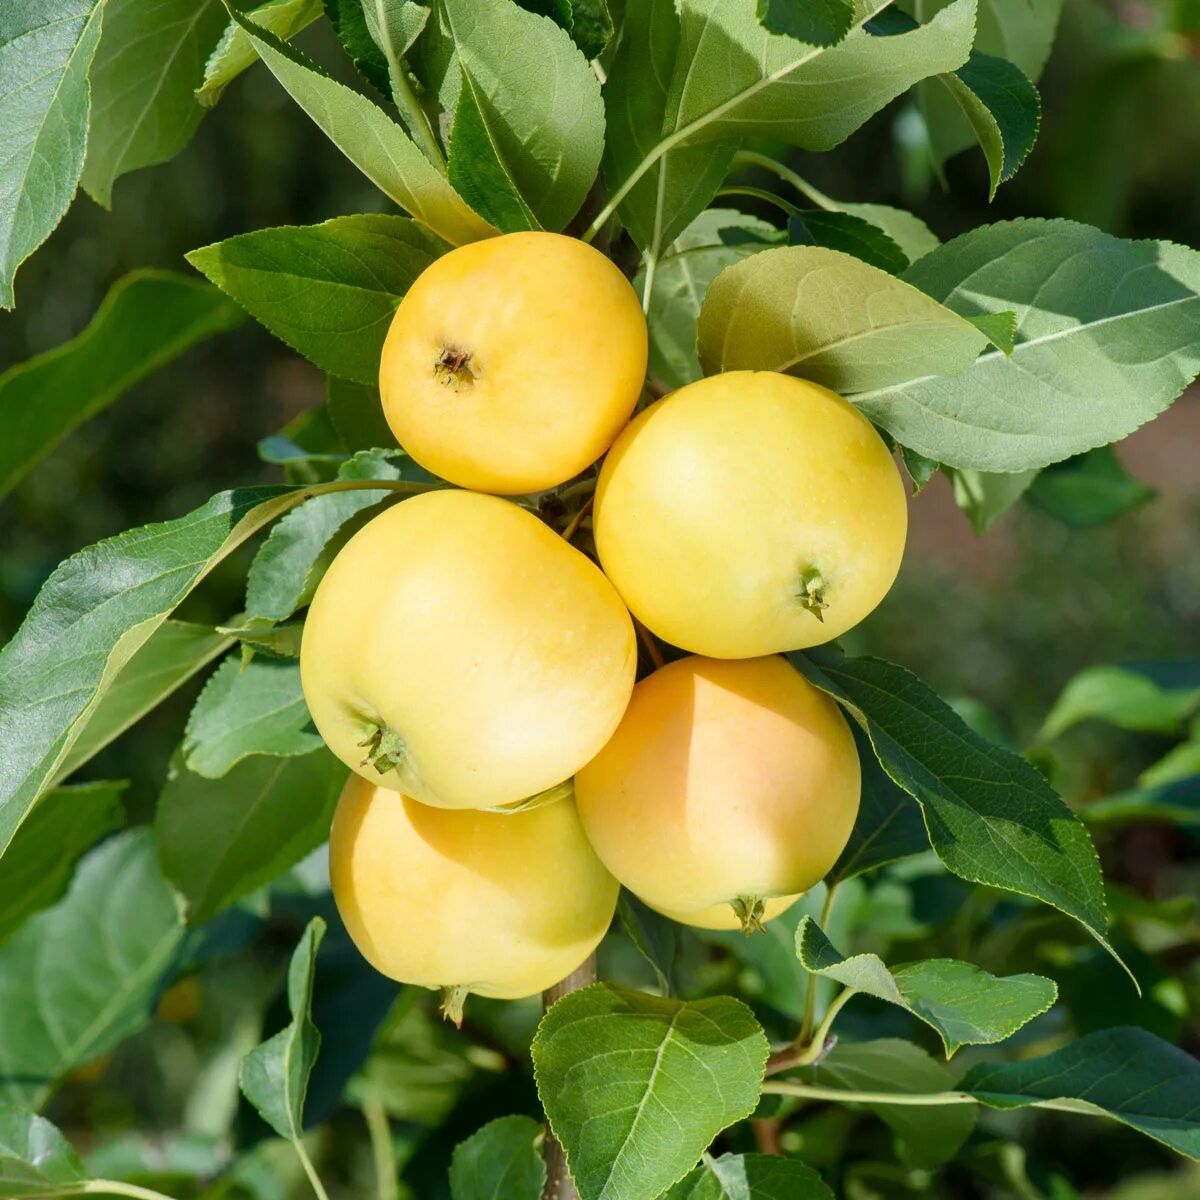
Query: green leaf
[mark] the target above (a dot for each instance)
(356, 412)
(394, 23)
(222, 840)
(1178, 763)
(1123, 696)
(502, 1161)
(1020, 33)
(174, 653)
(274, 1076)
(1088, 490)
(46, 47)
(1003, 108)
(591, 26)
(93, 614)
(683, 276)
(256, 708)
(920, 469)
(751, 1177)
(234, 52)
(349, 21)
(823, 23)
(66, 823)
(147, 319)
(927, 1137)
(984, 496)
(1176, 801)
(330, 290)
(853, 235)
(1001, 329)
(35, 1159)
(831, 318)
(889, 825)
(1107, 338)
(80, 977)
(259, 633)
(286, 571)
(992, 818)
(147, 68)
(1124, 1073)
(655, 937)
(729, 78)
(966, 1006)
(380, 149)
(529, 126)
(636, 1086)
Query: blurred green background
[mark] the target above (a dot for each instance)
(1004, 620)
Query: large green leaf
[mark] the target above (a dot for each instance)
(35, 1159)
(91, 617)
(328, 291)
(684, 274)
(966, 1006)
(927, 1136)
(1127, 697)
(831, 318)
(889, 823)
(636, 1086)
(529, 125)
(148, 65)
(234, 52)
(729, 78)
(286, 571)
(992, 818)
(147, 319)
(364, 133)
(46, 47)
(1108, 337)
(81, 976)
(1125, 1073)
(174, 653)
(274, 1076)
(248, 708)
(220, 840)
(751, 1177)
(66, 823)
(502, 1161)
(1088, 490)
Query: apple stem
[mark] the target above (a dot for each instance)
(750, 911)
(651, 645)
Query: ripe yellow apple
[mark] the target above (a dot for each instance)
(750, 513)
(497, 904)
(460, 651)
(512, 363)
(730, 787)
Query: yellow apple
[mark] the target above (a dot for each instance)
(729, 788)
(460, 651)
(750, 513)
(512, 363)
(497, 904)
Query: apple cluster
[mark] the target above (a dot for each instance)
(478, 672)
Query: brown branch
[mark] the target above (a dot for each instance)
(559, 1184)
